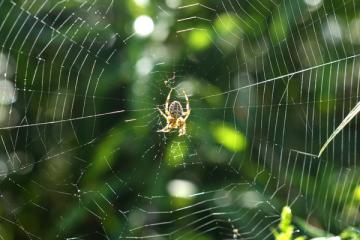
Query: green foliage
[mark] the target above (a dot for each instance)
(350, 234)
(286, 229)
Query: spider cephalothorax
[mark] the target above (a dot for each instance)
(175, 115)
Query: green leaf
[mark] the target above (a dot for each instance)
(286, 217)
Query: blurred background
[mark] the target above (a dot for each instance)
(268, 82)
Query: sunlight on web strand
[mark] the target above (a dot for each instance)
(130, 120)
(163, 10)
(189, 29)
(346, 120)
(191, 18)
(304, 153)
(196, 5)
(61, 121)
(127, 38)
(283, 76)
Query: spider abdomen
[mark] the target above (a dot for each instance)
(176, 109)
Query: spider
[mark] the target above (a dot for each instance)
(175, 115)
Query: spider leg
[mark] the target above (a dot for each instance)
(162, 113)
(165, 129)
(181, 124)
(182, 130)
(167, 102)
(187, 113)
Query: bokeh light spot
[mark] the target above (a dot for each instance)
(227, 23)
(7, 92)
(173, 3)
(142, 3)
(6, 65)
(227, 136)
(4, 170)
(332, 30)
(313, 3)
(144, 65)
(357, 193)
(181, 188)
(199, 39)
(143, 26)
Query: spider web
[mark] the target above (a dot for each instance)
(81, 157)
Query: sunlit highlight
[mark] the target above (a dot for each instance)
(181, 188)
(7, 92)
(143, 26)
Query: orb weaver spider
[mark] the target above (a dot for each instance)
(175, 115)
